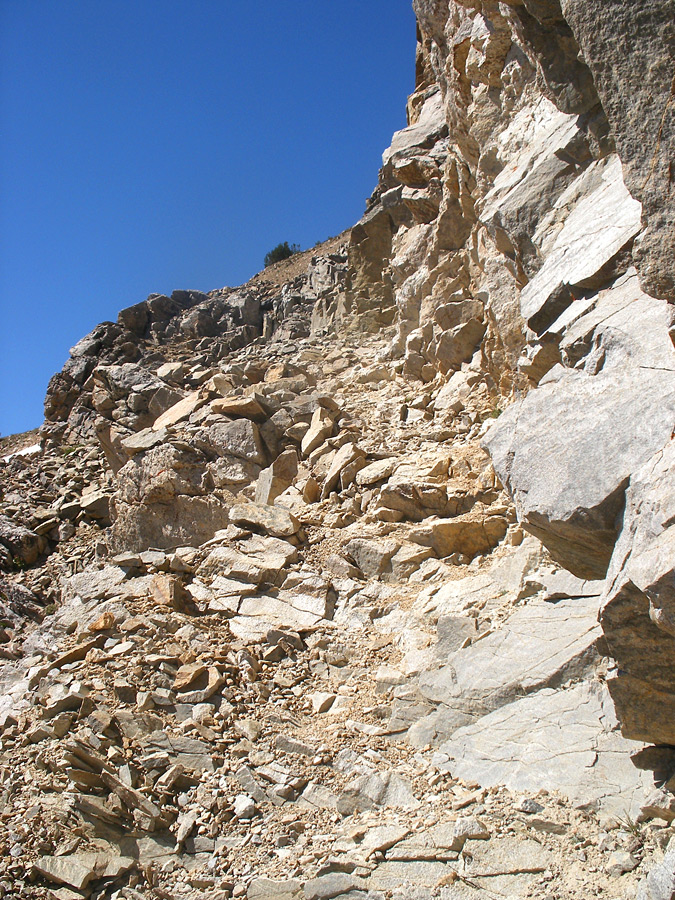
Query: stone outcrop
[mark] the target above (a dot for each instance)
(356, 581)
(567, 450)
(639, 605)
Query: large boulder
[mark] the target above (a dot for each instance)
(165, 499)
(567, 450)
(564, 740)
(542, 645)
(638, 614)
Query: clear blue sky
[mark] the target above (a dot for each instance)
(150, 145)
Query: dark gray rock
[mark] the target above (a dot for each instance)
(630, 49)
(20, 542)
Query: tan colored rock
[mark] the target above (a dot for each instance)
(239, 407)
(256, 560)
(170, 591)
(344, 458)
(188, 675)
(465, 534)
(376, 471)
(274, 480)
(179, 411)
(321, 428)
(273, 520)
(104, 622)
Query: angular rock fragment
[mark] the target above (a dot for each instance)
(272, 520)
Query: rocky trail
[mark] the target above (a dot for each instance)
(308, 724)
(356, 581)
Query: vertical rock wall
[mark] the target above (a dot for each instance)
(525, 219)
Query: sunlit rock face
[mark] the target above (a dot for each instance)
(384, 528)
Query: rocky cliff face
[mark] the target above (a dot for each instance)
(377, 549)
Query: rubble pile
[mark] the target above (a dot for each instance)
(355, 581)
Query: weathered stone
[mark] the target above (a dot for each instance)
(322, 701)
(379, 470)
(578, 750)
(372, 791)
(188, 675)
(467, 534)
(320, 428)
(628, 48)
(144, 440)
(164, 500)
(179, 411)
(274, 480)
(417, 500)
(274, 520)
(171, 371)
(277, 612)
(443, 841)
(96, 503)
(638, 613)
(259, 559)
(96, 584)
(21, 543)
(239, 407)
(328, 886)
(595, 229)
(659, 884)
(344, 460)
(659, 804)
(371, 556)
(267, 889)
(541, 645)
(76, 870)
(407, 559)
(429, 125)
(566, 451)
(240, 438)
(169, 590)
(244, 807)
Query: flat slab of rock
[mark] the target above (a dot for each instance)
(597, 227)
(277, 613)
(179, 411)
(259, 559)
(96, 584)
(71, 870)
(391, 876)
(429, 126)
(376, 471)
(144, 440)
(560, 740)
(268, 889)
(541, 644)
(370, 791)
